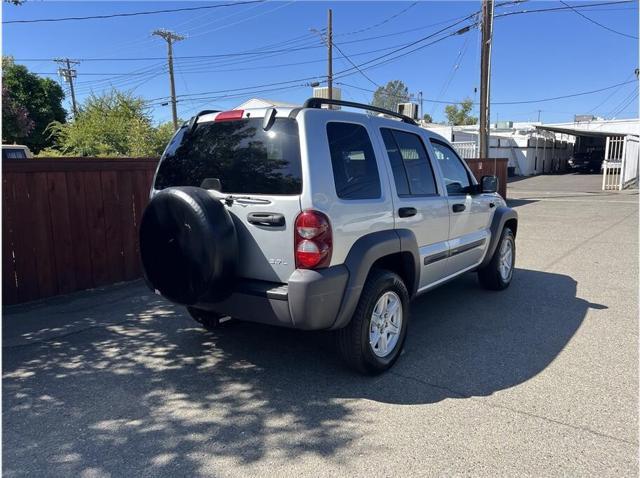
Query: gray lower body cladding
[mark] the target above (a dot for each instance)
(318, 299)
(310, 301)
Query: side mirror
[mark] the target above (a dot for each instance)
(489, 184)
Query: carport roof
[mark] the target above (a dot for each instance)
(577, 131)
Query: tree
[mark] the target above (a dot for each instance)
(39, 99)
(460, 116)
(390, 95)
(113, 124)
(427, 117)
(16, 123)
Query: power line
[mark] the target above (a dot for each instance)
(519, 102)
(564, 96)
(353, 70)
(624, 103)
(556, 9)
(132, 14)
(622, 108)
(389, 60)
(609, 96)
(598, 23)
(355, 66)
(227, 25)
(188, 57)
(387, 20)
(420, 40)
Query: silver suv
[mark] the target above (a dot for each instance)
(319, 219)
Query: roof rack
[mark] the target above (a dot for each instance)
(318, 102)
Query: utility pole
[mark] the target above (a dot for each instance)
(539, 111)
(170, 38)
(421, 108)
(485, 75)
(69, 74)
(330, 55)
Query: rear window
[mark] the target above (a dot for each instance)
(239, 154)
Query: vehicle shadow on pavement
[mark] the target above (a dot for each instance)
(159, 395)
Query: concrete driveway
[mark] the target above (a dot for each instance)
(539, 380)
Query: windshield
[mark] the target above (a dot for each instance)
(239, 154)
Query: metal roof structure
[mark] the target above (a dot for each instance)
(578, 131)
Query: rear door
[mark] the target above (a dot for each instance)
(419, 205)
(257, 174)
(470, 214)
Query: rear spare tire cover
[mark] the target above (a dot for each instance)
(188, 246)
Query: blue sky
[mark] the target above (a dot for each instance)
(535, 56)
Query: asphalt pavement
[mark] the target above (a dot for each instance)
(537, 380)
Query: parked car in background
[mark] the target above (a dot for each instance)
(319, 219)
(16, 151)
(587, 162)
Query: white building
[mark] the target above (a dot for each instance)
(535, 148)
(263, 103)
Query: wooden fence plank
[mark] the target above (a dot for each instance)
(96, 223)
(113, 226)
(9, 282)
(128, 224)
(42, 231)
(79, 229)
(24, 238)
(61, 230)
(140, 199)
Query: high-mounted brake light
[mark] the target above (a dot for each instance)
(313, 240)
(230, 115)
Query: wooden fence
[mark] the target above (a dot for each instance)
(491, 167)
(70, 224)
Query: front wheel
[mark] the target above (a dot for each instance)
(497, 275)
(374, 338)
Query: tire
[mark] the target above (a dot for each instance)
(208, 319)
(188, 246)
(491, 276)
(354, 339)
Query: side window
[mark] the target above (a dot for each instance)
(399, 173)
(455, 174)
(410, 164)
(355, 171)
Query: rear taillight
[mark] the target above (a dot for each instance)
(230, 115)
(313, 240)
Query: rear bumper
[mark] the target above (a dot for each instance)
(309, 301)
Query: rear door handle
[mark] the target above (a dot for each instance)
(269, 219)
(407, 211)
(459, 207)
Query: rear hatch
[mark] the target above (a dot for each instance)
(256, 173)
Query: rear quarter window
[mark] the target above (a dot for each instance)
(355, 171)
(240, 154)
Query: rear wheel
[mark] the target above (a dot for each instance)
(497, 275)
(374, 338)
